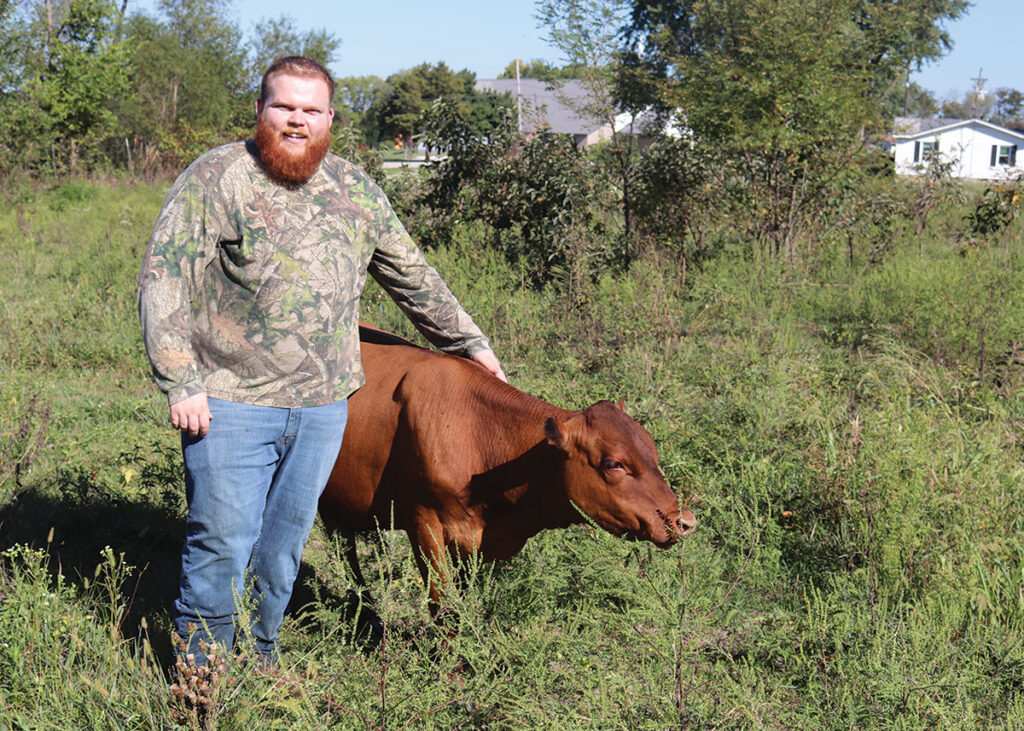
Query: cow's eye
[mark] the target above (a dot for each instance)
(611, 464)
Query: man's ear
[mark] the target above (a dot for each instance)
(259, 108)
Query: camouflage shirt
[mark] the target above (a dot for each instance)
(250, 290)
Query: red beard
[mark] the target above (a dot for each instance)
(286, 164)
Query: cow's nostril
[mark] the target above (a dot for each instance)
(686, 522)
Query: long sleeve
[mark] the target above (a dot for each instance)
(250, 290)
(400, 268)
(183, 241)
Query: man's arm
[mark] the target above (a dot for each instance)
(178, 248)
(400, 268)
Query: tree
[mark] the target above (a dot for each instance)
(537, 196)
(63, 64)
(398, 112)
(13, 50)
(22, 56)
(954, 109)
(193, 85)
(410, 93)
(1009, 107)
(785, 93)
(539, 69)
(484, 111)
(1005, 106)
(88, 66)
(354, 97)
(909, 99)
(279, 37)
(975, 104)
(587, 33)
(358, 93)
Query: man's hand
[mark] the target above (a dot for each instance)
(192, 415)
(489, 360)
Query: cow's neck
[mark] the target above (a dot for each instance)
(521, 491)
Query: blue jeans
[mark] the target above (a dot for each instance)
(252, 484)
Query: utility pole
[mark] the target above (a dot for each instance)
(519, 101)
(906, 94)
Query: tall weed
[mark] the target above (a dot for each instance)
(848, 436)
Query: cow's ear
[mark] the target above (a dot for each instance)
(553, 433)
(621, 405)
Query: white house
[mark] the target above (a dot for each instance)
(976, 148)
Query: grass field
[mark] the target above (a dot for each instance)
(849, 437)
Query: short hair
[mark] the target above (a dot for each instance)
(300, 66)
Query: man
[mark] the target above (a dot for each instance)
(249, 303)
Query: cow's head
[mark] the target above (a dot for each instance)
(612, 474)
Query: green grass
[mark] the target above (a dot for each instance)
(849, 437)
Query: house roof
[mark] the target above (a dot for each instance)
(930, 130)
(544, 103)
(913, 125)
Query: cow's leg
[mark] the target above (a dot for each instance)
(368, 622)
(352, 558)
(428, 539)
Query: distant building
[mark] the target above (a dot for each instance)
(977, 149)
(543, 107)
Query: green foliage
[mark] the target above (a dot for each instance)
(63, 69)
(673, 196)
(193, 85)
(533, 194)
(1009, 107)
(279, 37)
(539, 69)
(88, 65)
(995, 210)
(1005, 106)
(409, 94)
(848, 436)
(353, 98)
(586, 32)
(909, 99)
(785, 93)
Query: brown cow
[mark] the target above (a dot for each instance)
(464, 463)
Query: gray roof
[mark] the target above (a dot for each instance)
(947, 124)
(543, 104)
(913, 125)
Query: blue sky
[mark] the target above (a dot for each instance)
(987, 37)
(485, 35)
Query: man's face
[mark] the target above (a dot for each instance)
(293, 126)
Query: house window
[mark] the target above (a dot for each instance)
(1003, 155)
(925, 151)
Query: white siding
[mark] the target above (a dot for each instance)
(968, 145)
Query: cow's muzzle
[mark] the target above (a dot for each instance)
(685, 523)
(676, 526)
